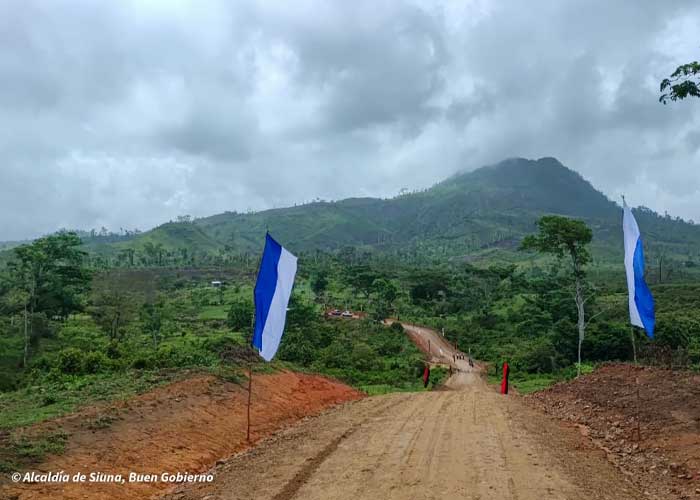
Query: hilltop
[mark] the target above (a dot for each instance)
(471, 215)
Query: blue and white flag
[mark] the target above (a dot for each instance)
(641, 302)
(272, 290)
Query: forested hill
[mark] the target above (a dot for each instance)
(472, 214)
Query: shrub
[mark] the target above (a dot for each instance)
(70, 361)
(94, 362)
(73, 361)
(397, 327)
(219, 344)
(7, 382)
(143, 362)
(181, 356)
(538, 356)
(240, 315)
(114, 350)
(49, 399)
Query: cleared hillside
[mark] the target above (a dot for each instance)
(471, 214)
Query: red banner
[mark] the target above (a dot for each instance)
(504, 380)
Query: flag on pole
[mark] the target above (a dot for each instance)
(641, 302)
(272, 291)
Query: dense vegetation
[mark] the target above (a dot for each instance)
(101, 316)
(72, 334)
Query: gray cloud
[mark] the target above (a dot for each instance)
(126, 114)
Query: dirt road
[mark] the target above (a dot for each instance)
(469, 442)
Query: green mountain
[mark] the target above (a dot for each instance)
(472, 215)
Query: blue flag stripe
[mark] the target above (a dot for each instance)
(642, 295)
(641, 303)
(265, 287)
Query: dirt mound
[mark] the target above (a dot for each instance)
(182, 427)
(654, 439)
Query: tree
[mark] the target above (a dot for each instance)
(114, 302)
(319, 282)
(240, 315)
(684, 82)
(154, 252)
(361, 279)
(562, 236)
(49, 276)
(152, 320)
(386, 293)
(17, 300)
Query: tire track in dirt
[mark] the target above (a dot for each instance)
(291, 488)
(391, 440)
(469, 443)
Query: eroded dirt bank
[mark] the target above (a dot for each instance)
(182, 427)
(663, 458)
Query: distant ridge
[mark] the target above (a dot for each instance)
(470, 214)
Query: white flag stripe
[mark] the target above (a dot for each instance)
(631, 234)
(274, 324)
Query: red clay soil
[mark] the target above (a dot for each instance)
(186, 426)
(665, 462)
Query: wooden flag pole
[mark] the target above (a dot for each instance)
(250, 393)
(639, 428)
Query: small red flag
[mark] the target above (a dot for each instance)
(426, 376)
(504, 380)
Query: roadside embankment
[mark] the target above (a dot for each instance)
(183, 427)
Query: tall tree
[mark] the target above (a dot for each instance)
(562, 236)
(50, 275)
(684, 82)
(112, 305)
(152, 320)
(386, 293)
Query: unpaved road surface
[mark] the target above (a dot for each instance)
(468, 442)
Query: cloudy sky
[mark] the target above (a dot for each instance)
(127, 114)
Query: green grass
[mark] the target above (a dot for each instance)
(213, 313)
(35, 448)
(527, 383)
(437, 377)
(379, 389)
(36, 403)
(23, 449)
(535, 383)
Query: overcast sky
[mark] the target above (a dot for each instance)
(128, 114)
